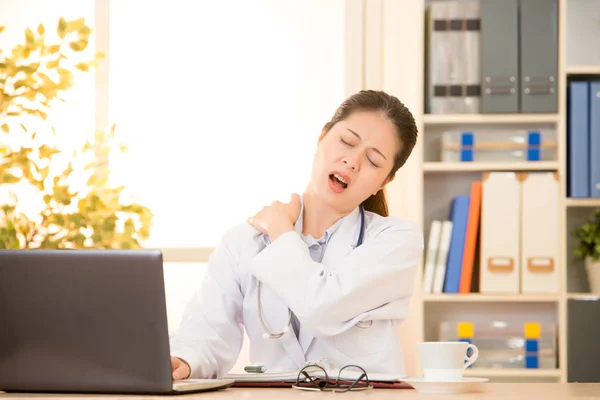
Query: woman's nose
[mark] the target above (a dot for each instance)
(352, 162)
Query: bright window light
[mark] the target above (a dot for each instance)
(221, 104)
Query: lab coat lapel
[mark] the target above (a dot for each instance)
(342, 242)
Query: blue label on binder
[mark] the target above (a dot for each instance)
(466, 139)
(531, 345)
(466, 146)
(534, 138)
(534, 142)
(532, 361)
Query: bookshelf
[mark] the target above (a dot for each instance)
(488, 298)
(442, 180)
(489, 166)
(572, 202)
(486, 119)
(392, 48)
(583, 70)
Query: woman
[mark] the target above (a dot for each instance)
(335, 271)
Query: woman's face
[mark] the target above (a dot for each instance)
(354, 159)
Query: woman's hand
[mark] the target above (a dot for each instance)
(179, 368)
(278, 218)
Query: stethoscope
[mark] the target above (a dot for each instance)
(286, 329)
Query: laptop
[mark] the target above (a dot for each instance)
(87, 321)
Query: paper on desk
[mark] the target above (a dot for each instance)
(291, 376)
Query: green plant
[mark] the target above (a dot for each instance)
(33, 77)
(588, 236)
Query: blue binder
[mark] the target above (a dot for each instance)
(595, 139)
(578, 126)
(459, 217)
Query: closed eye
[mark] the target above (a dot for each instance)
(372, 163)
(351, 145)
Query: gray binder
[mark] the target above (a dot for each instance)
(539, 56)
(583, 324)
(499, 56)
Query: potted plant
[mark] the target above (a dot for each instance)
(588, 248)
(77, 206)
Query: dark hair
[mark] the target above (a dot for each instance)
(396, 112)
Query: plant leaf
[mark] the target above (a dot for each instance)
(82, 66)
(79, 45)
(84, 31)
(76, 24)
(52, 64)
(29, 36)
(54, 49)
(61, 28)
(7, 177)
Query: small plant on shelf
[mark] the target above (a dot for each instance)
(588, 248)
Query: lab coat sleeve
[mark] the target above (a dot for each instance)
(210, 336)
(328, 301)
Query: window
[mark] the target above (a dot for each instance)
(221, 104)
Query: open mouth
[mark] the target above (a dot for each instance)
(338, 181)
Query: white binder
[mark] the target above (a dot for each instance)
(432, 251)
(442, 257)
(539, 233)
(500, 233)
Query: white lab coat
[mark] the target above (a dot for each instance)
(373, 282)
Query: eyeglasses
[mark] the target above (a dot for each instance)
(314, 377)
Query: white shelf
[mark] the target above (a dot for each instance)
(513, 372)
(481, 166)
(583, 296)
(461, 119)
(583, 70)
(478, 297)
(574, 202)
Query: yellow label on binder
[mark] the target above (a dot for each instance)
(532, 330)
(465, 330)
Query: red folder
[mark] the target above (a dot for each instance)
(287, 384)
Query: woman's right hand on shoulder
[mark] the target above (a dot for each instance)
(179, 368)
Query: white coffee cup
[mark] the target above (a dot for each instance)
(445, 361)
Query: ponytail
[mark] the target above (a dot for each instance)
(377, 203)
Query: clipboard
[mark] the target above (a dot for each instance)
(286, 379)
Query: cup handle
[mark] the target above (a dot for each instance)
(474, 355)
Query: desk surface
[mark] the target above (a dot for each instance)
(504, 391)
